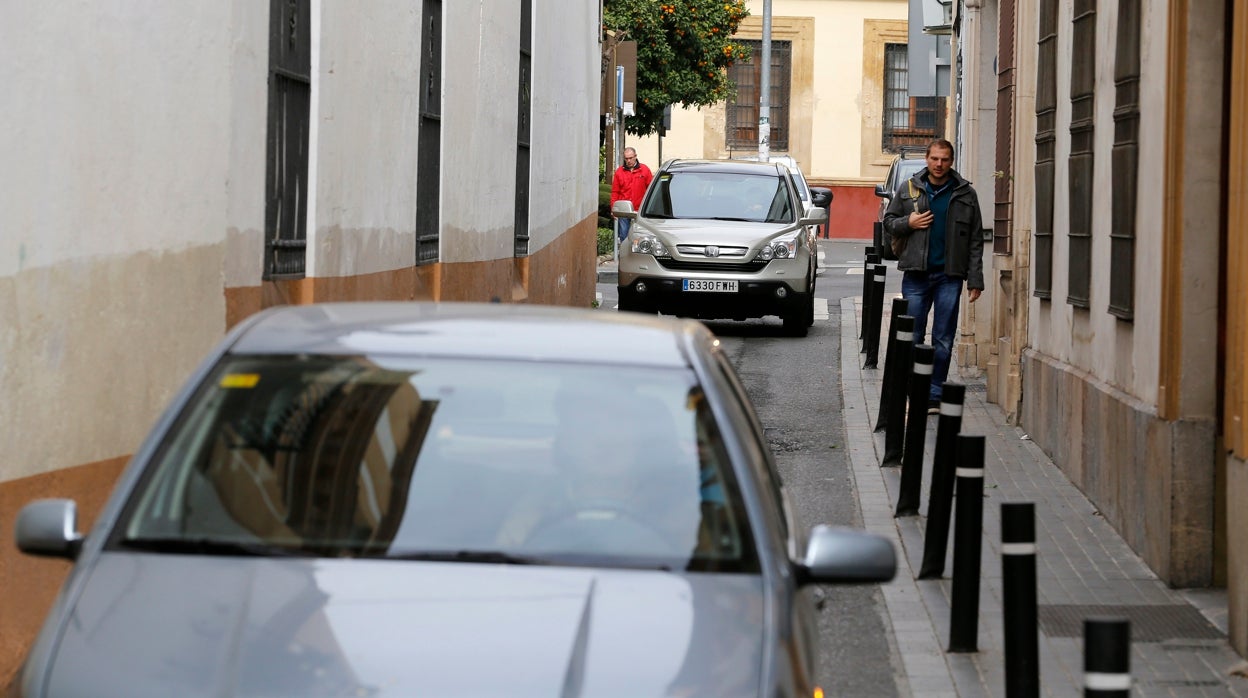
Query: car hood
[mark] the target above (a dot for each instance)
(148, 624)
(704, 232)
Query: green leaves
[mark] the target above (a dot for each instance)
(684, 49)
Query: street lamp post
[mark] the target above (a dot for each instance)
(764, 88)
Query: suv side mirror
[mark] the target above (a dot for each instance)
(623, 209)
(883, 192)
(814, 216)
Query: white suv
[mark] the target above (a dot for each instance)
(721, 239)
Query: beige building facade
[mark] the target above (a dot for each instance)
(1116, 340)
(835, 105)
(139, 201)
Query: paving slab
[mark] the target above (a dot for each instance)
(1083, 567)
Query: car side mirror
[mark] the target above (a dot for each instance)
(814, 216)
(623, 209)
(821, 196)
(846, 556)
(882, 192)
(49, 528)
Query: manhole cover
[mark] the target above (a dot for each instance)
(1148, 623)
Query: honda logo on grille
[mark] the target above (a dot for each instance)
(712, 251)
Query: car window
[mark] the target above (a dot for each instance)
(719, 195)
(446, 459)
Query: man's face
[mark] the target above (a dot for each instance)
(630, 157)
(939, 160)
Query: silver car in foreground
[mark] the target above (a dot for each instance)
(408, 499)
(721, 239)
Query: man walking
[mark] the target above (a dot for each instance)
(629, 183)
(934, 217)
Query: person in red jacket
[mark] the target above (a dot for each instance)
(629, 183)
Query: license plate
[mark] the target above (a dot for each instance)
(710, 285)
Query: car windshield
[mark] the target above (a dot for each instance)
(445, 459)
(906, 167)
(719, 195)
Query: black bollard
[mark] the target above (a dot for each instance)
(967, 543)
(940, 497)
(895, 429)
(1106, 657)
(1018, 599)
(900, 306)
(911, 489)
(873, 323)
(868, 278)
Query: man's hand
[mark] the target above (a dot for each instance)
(919, 221)
(973, 295)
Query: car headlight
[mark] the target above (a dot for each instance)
(780, 248)
(645, 243)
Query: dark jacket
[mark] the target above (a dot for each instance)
(964, 238)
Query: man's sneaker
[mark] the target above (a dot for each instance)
(933, 406)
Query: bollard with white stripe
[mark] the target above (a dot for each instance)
(1018, 600)
(967, 544)
(940, 497)
(911, 489)
(873, 323)
(868, 276)
(900, 307)
(1106, 657)
(894, 429)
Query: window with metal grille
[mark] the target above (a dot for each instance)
(908, 121)
(1082, 131)
(896, 96)
(1003, 191)
(524, 107)
(1126, 158)
(1046, 134)
(742, 110)
(286, 161)
(429, 157)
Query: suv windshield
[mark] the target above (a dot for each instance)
(691, 193)
(444, 459)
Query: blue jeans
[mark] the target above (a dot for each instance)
(927, 292)
(624, 224)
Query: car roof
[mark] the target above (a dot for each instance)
(726, 166)
(471, 330)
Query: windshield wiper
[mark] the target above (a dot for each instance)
(664, 216)
(729, 218)
(497, 557)
(208, 546)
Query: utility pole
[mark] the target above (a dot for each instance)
(764, 89)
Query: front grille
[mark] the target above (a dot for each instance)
(701, 250)
(750, 267)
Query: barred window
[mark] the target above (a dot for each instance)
(286, 160)
(908, 121)
(742, 110)
(1126, 158)
(429, 155)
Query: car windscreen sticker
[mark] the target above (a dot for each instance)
(240, 380)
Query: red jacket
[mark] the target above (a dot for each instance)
(630, 184)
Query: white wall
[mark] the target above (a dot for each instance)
(366, 111)
(115, 197)
(563, 166)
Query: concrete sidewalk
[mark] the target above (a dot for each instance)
(1084, 568)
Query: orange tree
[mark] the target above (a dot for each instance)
(684, 48)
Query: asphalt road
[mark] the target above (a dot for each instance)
(795, 386)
